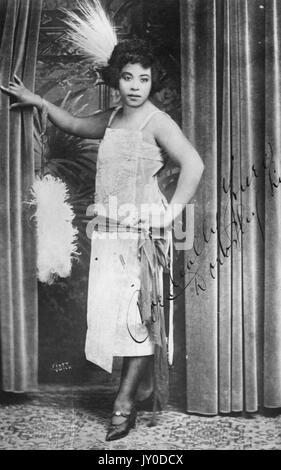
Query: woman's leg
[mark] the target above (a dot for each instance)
(132, 371)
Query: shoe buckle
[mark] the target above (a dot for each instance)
(120, 413)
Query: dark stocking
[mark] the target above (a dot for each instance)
(132, 371)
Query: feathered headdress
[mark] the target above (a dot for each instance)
(91, 31)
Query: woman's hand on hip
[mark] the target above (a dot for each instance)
(157, 220)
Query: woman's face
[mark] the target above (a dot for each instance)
(134, 84)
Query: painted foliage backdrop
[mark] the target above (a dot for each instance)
(65, 79)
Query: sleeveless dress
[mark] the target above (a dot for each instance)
(126, 174)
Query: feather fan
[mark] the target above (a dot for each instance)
(56, 235)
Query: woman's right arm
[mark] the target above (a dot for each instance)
(91, 127)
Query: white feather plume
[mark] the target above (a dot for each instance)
(56, 235)
(92, 32)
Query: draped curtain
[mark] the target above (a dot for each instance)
(231, 97)
(19, 29)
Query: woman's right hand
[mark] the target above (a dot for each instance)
(23, 96)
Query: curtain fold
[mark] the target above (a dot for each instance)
(18, 285)
(231, 113)
(272, 321)
(198, 101)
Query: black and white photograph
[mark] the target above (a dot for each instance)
(140, 210)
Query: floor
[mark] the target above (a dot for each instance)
(64, 418)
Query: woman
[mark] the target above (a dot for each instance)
(124, 282)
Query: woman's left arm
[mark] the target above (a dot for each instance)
(170, 137)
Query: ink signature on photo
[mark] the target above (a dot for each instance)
(231, 222)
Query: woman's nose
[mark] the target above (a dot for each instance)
(134, 85)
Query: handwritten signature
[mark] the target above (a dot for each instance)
(232, 220)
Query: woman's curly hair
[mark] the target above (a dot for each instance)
(131, 51)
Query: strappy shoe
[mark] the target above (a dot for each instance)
(117, 431)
